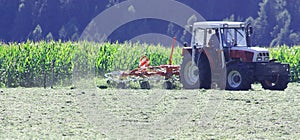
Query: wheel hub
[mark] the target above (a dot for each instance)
(191, 73)
(234, 79)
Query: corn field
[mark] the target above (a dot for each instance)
(37, 64)
(290, 55)
(43, 63)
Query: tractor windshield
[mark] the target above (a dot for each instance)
(234, 37)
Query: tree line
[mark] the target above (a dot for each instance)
(276, 22)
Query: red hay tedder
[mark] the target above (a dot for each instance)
(144, 73)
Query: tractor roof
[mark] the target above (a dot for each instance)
(219, 24)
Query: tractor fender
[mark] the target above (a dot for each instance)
(218, 67)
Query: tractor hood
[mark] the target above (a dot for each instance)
(250, 49)
(258, 49)
(250, 54)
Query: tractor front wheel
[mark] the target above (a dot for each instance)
(237, 78)
(280, 83)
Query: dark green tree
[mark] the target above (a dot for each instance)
(23, 21)
(273, 24)
(260, 26)
(37, 33)
(62, 33)
(293, 6)
(49, 36)
(281, 30)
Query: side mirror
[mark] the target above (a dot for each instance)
(250, 30)
(191, 28)
(195, 46)
(185, 44)
(248, 37)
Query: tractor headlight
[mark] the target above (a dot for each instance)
(259, 59)
(267, 58)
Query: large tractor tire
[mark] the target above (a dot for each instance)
(237, 79)
(195, 75)
(280, 83)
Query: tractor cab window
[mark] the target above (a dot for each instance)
(234, 37)
(212, 38)
(199, 37)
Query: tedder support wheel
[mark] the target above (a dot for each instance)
(237, 79)
(280, 83)
(145, 85)
(195, 75)
(168, 85)
(121, 85)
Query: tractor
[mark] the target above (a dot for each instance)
(221, 57)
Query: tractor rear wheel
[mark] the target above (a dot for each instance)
(195, 75)
(237, 78)
(280, 83)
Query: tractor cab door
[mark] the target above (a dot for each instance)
(214, 52)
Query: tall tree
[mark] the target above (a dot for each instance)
(8, 10)
(293, 6)
(273, 24)
(37, 35)
(23, 21)
(260, 26)
(281, 30)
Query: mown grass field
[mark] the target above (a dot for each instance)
(90, 113)
(64, 113)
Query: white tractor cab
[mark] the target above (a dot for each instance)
(221, 57)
